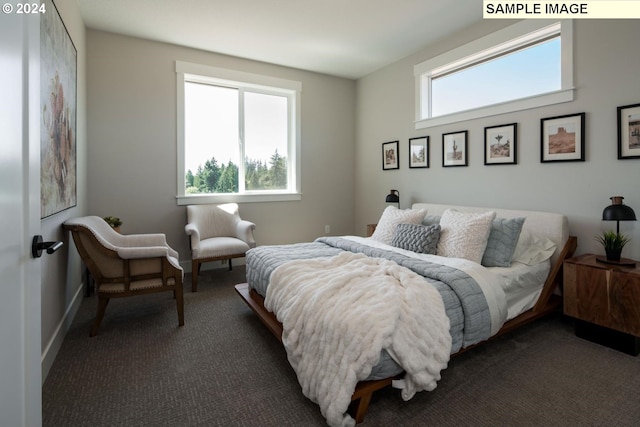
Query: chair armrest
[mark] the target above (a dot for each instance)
(141, 240)
(194, 234)
(144, 241)
(150, 252)
(244, 230)
(172, 252)
(191, 230)
(144, 252)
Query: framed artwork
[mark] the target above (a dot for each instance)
(629, 132)
(419, 152)
(562, 138)
(390, 157)
(454, 149)
(501, 144)
(58, 99)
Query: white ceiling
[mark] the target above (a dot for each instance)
(346, 38)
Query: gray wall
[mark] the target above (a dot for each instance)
(605, 77)
(132, 143)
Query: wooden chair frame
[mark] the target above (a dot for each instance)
(547, 303)
(165, 272)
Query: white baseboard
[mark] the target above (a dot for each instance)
(50, 352)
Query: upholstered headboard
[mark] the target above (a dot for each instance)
(553, 226)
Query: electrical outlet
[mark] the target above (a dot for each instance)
(327, 229)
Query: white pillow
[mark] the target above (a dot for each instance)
(532, 249)
(464, 235)
(390, 219)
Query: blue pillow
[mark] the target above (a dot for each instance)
(502, 242)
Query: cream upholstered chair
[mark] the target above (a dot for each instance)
(216, 233)
(126, 265)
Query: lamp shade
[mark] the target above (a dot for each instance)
(393, 197)
(617, 211)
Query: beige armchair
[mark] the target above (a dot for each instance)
(126, 265)
(216, 233)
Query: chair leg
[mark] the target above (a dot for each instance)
(180, 304)
(230, 266)
(195, 270)
(102, 307)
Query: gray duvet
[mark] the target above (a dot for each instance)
(463, 298)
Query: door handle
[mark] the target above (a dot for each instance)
(37, 246)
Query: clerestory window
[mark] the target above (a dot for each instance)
(523, 66)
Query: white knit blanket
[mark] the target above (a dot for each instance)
(338, 314)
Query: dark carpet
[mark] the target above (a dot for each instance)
(223, 368)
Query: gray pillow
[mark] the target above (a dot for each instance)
(416, 238)
(502, 242)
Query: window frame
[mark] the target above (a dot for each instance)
(190, 72)
(474, 52)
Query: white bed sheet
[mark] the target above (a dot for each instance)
(522, 285)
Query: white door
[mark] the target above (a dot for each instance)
(20, 342)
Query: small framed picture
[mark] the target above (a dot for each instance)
(501, 144)
(390, 158)
(562, 138)
(454, 149)
(419, 152)
(629, 132)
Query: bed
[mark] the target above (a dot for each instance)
(469, 273)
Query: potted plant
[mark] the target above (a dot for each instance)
(613, 243)
(114, 222)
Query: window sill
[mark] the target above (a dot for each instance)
(203, 199)
(565, 95)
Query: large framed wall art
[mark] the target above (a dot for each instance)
(58, 103)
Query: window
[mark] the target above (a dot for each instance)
(523, 66)
(238, 136)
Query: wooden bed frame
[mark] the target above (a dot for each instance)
(547, 303)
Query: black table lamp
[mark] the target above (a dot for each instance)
(393, 197)
(617, 212)
(614, 243)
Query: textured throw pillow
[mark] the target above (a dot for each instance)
(464, 235)
(502, 242)
(417, 238)
(393, 216)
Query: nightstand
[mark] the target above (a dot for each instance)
(605, 301)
